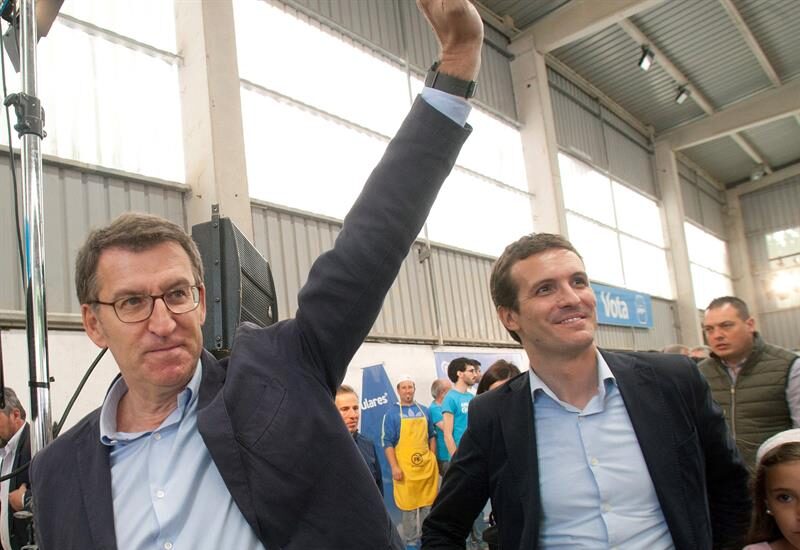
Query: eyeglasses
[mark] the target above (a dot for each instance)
(135, 309)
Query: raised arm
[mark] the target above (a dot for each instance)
(347, 285)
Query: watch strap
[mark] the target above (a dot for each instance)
(450, 84)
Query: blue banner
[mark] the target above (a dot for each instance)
(617, 306)
(377, 397)
(443, 359)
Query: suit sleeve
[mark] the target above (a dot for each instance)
(726, 475)
(346, 285)
(463, 495)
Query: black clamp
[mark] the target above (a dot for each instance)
(30, 115)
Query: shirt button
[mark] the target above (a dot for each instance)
(595, 462)
(160, 494)
(157, 436)
(606, 507)
(167, 545)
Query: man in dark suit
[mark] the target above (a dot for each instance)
(247, 452)
(590, 449)
(16, 452)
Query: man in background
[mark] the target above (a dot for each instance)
(463, 373)
(439, 389)
(15, 433)
(410, 445)
(757, 384)
(347, 403)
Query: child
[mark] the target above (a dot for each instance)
(775, 524)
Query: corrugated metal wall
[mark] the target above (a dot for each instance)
(590, 131)
(663, 332)
(76, 199)
(458, 284)
(772, 209)
(703, 203)
(291, 240)
(396, 28)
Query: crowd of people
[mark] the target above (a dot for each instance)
(587, 449)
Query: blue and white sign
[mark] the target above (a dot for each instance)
(617, 306)
(377, 397)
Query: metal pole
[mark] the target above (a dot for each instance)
(41, 432)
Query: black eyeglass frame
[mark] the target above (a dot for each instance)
(193, 289)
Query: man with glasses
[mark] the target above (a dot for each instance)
(463, 373)
(248, 452)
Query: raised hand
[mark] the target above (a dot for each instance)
(459, 30)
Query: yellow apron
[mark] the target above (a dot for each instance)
(420, 472)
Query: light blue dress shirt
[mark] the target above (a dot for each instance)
(595, 488)
(168, 494)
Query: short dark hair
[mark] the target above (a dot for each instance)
(460, 364)
(762, 524)
(504, 291)
(344, 388)
(132, 231)
(738, 304)
(12, 402)
(500, 370)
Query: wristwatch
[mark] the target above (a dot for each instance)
(449, 84)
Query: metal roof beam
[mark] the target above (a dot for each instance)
(751, 41)
(580, 18)
(751, 151)
(776, 177)
(756, 110)
(661, 58)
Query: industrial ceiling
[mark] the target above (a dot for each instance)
(737, 63)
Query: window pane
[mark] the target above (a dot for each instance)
(121, 107)
(148, 21)
(474, 214)
(494, 149)
(319, 69)
(278, 138)
(783, 287)
(638, 215)
(781, 244)
(708, 285)
(586, 191)
(705, 249)
(599, 248)
(646, 268)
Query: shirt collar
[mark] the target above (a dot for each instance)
(108, 413)
(604, 376)
(11, 446)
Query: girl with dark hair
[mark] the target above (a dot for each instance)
(776, 494)
(498, 374)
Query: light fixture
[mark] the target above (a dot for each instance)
(758, 172)
(683, 95)
(647, 58)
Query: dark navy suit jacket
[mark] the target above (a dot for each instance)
(700, 481)
(266, 413)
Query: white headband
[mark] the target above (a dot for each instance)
(789, 436)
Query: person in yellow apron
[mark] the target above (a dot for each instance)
(410, 451)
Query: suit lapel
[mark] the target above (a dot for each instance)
(652, 422)
(215, 428)
(94, 473)
(520, 439)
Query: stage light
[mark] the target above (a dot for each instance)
(647, 58)
(683, 95)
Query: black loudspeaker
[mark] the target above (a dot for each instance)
(238, 280)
